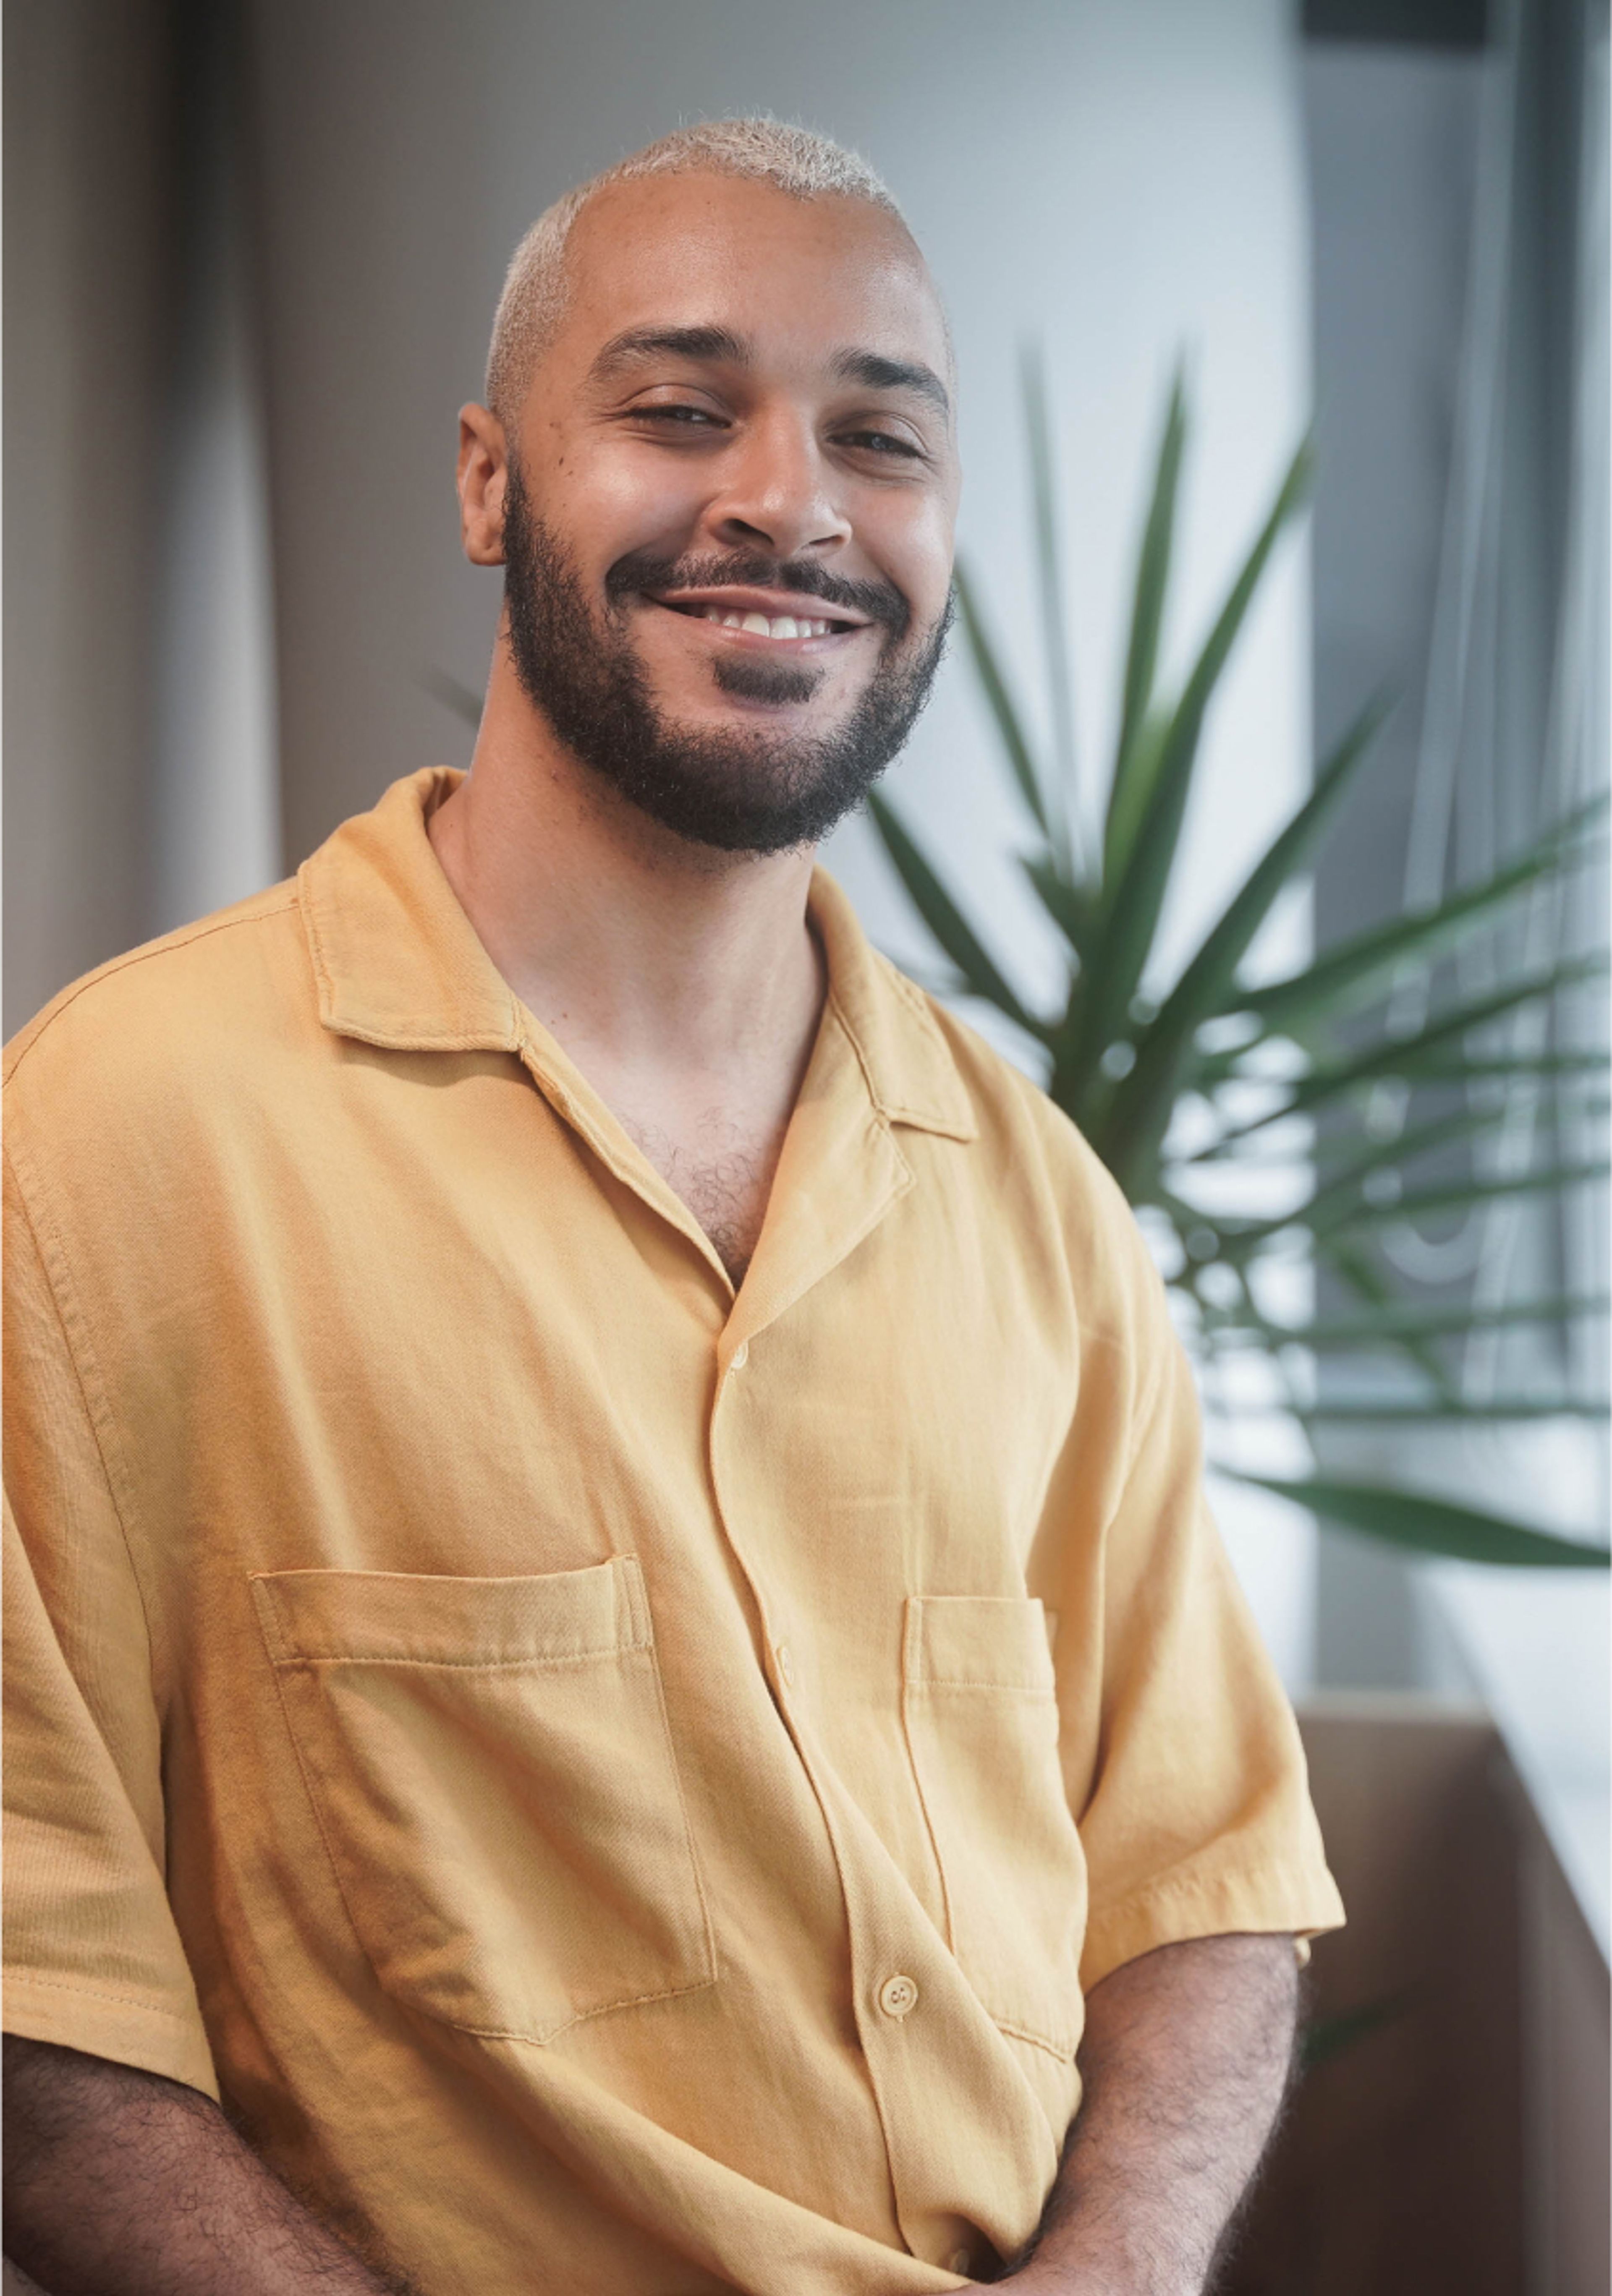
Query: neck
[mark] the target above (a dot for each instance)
(633, 946)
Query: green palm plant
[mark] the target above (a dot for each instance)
(1324, 1043)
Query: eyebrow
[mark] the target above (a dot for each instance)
(875, 371)
(709, 343)
(872, 369)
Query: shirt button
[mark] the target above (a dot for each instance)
(786, 1665)
(959, 2260)
(897, 1995)
(740, 1356)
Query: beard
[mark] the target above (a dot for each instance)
(752, 790)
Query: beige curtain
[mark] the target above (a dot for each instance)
(140, 780)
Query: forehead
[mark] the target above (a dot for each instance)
(799, 278)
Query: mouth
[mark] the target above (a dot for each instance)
(768, 619)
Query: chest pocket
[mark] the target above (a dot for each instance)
(982, 1724)
(491, 1768)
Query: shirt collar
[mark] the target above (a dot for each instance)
(397, 963)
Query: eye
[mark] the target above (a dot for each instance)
(679, 417)
(881, 442)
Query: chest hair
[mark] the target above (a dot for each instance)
(723, 1174)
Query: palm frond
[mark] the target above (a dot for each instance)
(1430, 1526)
(1405, 1056)
(1143, 1098)
(1128, 793)
(1317, 1047)
(999, 697)
(1133, 901)
(1357, 1334)
(1050, 588)
(1348, 974)
(955, 936)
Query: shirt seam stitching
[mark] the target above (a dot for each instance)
(911, 1641)
(289, 1656)
(1142, 1418)
(1175, 1881)
(395, 1036)
(695, 1866)
(912, 1683)
(100, 1436)
(1063, 2050)
(488, 2032)
(24, 1973)
(836, 1006)
(541, 2040)
(314, 1811)
(918, 1006)
(324, 983)
(984, 1682)
(167, 947)
(889, 1110)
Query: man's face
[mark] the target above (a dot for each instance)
(727, 522)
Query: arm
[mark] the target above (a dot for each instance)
(1185, 2061)
(119, 2183)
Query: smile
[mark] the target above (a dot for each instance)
(760, 626)
(754, 618)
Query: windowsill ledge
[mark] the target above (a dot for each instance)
(1536, 1646)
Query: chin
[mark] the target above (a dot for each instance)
(759, 721)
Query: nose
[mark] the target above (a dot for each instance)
(777, 493)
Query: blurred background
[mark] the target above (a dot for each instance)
(252, 251)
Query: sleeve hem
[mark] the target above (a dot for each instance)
(41, 2006)
(1183, 1906)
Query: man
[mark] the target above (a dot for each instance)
(616, 1651)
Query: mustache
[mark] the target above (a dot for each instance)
(642, 570)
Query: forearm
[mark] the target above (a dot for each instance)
(1185, 2061)
(121, 2184)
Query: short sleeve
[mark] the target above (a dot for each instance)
(1198, 1822)
(93, 1957)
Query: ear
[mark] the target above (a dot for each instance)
(483, 474)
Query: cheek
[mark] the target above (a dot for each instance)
(608, 505)
(911, 542)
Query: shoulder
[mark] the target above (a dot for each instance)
(1021, 1127)
(138, 1031)
(1050, 1188)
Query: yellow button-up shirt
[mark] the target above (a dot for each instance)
(621, 1786)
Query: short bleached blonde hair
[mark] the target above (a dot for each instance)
(794, 160)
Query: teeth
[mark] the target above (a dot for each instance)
(762, 626)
